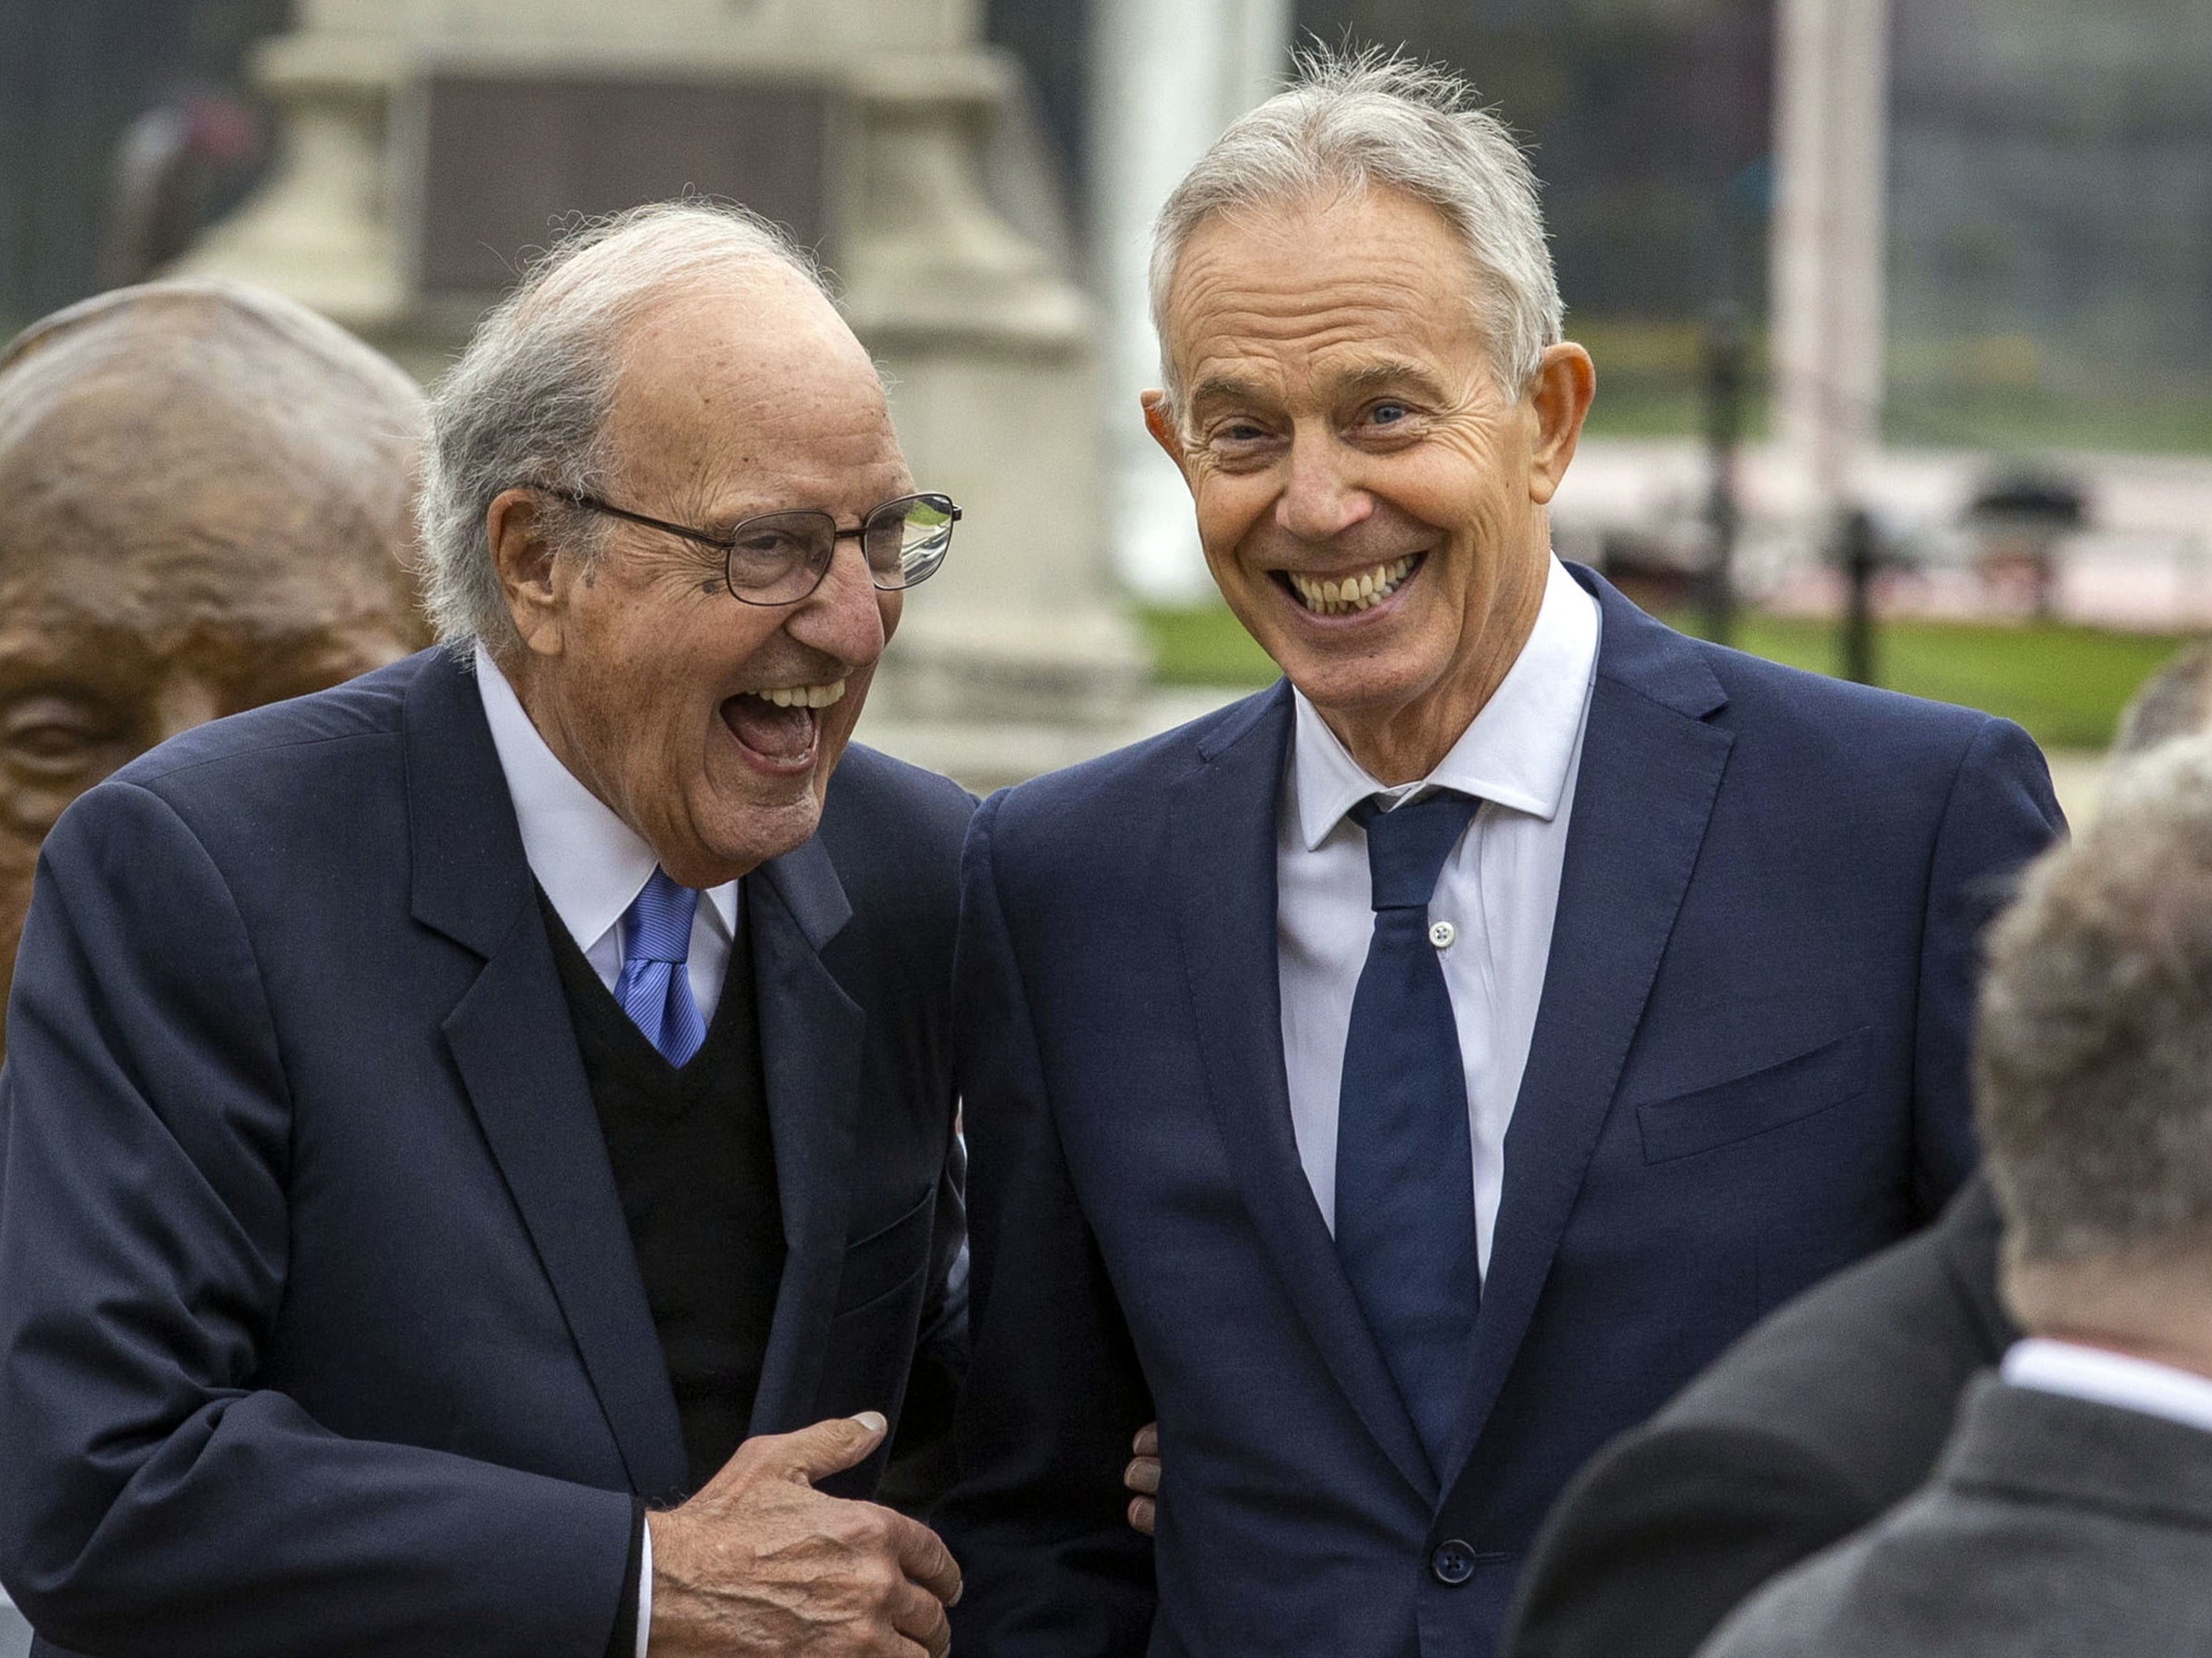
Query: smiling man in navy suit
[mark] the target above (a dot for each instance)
(1404, 1079)
(478, 1175)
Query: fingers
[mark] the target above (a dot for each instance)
(920, 1616)
(925, 1559)
(1141, 1476)
(816, 1452)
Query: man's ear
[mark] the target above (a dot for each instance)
(1159, 419)
(515, 525)
(1559, 397)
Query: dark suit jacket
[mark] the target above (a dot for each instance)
(2055, 1528)
(1813, 1426)
(1748, 1070)
(320, 1329)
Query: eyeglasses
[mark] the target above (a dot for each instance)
(779, 559)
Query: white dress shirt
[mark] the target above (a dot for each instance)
(2107, 1378)
(592, 867)
(1499, 889)
(591, 863)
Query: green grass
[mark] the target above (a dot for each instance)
(2064, 684)
(1202, 645)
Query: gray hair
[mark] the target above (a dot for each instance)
(529, 400)
(1376, 121)
(2093, 1069)
(2175, 701)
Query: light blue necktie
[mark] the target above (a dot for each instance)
(653, 988)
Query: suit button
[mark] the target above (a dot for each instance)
(1454, 1562)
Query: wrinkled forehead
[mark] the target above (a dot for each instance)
(1333, 269)
(757, 379)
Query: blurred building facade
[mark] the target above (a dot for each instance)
(2043, 250)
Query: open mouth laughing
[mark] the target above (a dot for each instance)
(781, 724)
(1348, 596)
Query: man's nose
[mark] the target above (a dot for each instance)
(842, 615)
(184, 701)
(1320, 498)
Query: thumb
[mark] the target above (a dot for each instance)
(826, 1448)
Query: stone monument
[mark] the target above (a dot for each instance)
(431, 142)
(210, 495)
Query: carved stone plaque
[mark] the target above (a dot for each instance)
(506, 156)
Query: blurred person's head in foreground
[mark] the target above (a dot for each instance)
(2094, 1071)
(209, 495)
(2175, 701)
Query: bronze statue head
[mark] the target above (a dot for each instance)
(205, 504)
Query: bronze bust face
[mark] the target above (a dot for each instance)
(205, 504)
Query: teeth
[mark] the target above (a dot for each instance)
(803, 695)
(1352, 592)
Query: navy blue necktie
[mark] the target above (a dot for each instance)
(1405, 1190)
(653, 987)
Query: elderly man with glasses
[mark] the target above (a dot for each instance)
(479, 1172)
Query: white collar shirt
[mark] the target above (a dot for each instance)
(2107, 1378)
(591, 864)
(1499, 889)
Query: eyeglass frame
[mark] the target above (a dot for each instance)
(727, 544)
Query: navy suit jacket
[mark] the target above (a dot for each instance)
(320, 1329)
(1748, 1069)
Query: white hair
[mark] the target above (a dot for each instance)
(1377, 121)
(528, 402)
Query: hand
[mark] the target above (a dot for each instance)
(1143, 1478)
(760, 1562)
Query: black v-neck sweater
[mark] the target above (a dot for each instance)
(694, 1164)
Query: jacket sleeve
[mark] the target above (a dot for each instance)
(1038, 1521)
(923, 1458)
(2000, 814)
(157, 1499)
(1660, 1537)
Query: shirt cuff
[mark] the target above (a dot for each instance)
(645, 1584)
(633, 1607)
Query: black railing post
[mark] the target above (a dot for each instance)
(1724, 387)
(1861, 554)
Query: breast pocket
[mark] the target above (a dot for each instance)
(1707, 1118)
(888, 1259)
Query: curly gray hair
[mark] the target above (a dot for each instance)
(2093, 1065)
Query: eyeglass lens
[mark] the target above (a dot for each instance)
(782, 556)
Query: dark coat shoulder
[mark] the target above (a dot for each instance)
(1818, 1420)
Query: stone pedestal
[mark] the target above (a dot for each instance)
(1016, 658)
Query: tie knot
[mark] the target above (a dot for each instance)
(1406, 848)
(657, 926)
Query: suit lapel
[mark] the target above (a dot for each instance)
(811, 1036)
(515, 1051)
(1223, 826)
(1644, 791)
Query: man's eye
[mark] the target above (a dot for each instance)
(1239, 432)
(1387, 414)
(48, 743)
(50, 735)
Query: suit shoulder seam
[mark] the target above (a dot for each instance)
(185, 767)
